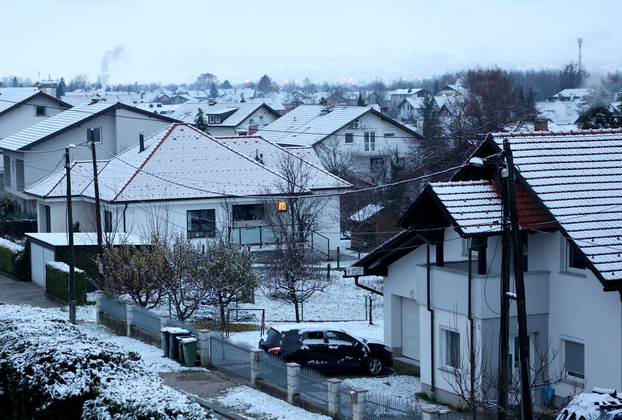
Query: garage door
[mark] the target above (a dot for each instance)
(410, 328)
(38, 257)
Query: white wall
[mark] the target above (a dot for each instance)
(25, 115)
(38, 257)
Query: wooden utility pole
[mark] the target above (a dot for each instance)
(72, 279)
(504, 327)
(98, 217)
(519, 281)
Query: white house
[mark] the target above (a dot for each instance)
(440, 309)
(183, 181)
(22, 107)
(368, 136)
(35, 152)
(410, 111)
(228, 119)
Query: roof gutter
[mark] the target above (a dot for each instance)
(369, 289)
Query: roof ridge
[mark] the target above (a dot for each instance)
(533, 133)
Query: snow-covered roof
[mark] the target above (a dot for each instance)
(366, 212)
(475, 206)
(415, 101)
(84, 238)
(563, 113)
(576, 93)
(406, 91)
(577, 176)
(187, 112)
(307, 125)
(181, 162)
(12, 97)
(26, 137)
(76, 98)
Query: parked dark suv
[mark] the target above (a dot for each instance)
(333, 350)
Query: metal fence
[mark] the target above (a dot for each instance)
(273, 370)
(379, 406)
(230, 357)
(113, 308)
(313, 386)
(344, 407)
(146, 320)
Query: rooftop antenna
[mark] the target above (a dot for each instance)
(580, 42)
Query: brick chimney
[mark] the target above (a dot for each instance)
(541, 124)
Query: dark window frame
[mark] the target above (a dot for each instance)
(201, 223)
(41, 111)
(349, 138)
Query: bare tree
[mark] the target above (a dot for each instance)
(290, 275)
(336, 160)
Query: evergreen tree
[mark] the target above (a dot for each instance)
(213, 91)
(226, 85)
(200, 122)
(432, 128)
(61, 88)
(360, 101)
(14, 82)
(599, 117)
(265, 84)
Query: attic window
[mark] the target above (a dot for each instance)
(575, 258)
(40, 111)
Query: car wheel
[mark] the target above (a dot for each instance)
(374, 366)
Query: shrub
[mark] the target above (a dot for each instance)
(57, 282)
(49, 369)
(9, 251)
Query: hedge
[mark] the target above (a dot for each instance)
(57, 282)
(9, 251)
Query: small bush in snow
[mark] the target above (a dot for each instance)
(51, 370)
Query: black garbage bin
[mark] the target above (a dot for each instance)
(165, 342)
(173, 333)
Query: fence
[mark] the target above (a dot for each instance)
(229, 357)
(113, 308)
(313, 386)
(273, 370)
(146, 320)
(378, 406)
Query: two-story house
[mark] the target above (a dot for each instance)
(442, 274)
(368, 137)
(184, 181)
(224, 119)
(22, 107)
(36, 151)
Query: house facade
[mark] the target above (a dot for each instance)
(22, 107)
(442, 274)
(362, 135)
(35, 152)
(185, 182)
(229, 119)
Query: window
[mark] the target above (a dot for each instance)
(337, 338)
(95, 134)
(451, 349)
(349, 137)
(48, 219)
(575, 258)
(19, 174)
(247, 212)
(107, 221)
(574, 359)
(210, 119)
(201, 223)
(389, 134)
(7, 171)
(313, 337)
(40, 111)
(370, 141)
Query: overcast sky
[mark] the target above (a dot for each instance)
(174, 41)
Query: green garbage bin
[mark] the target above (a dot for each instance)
(173, 333)
(189, 346)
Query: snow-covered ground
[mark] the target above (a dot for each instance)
(257, 405)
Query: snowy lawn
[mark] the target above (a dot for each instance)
(404, 387)
(257, 405)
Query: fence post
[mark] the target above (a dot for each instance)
(338, 256)
(255, 374)
(293, 378)
(204, 347)
(99, 295)
(333, 396)
(129, 318)
(358, 403)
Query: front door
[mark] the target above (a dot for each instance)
(410, 328)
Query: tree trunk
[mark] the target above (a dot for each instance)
(297, 309)
(221, 306)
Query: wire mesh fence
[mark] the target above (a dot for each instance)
(230, 357)
(379, 406)
(273, 370)
(313, 386)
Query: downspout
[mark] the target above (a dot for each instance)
(431, 311)
(369, 289)
(471, 334)
(124, 210)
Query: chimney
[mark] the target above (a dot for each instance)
(541, 124)
(141, 141)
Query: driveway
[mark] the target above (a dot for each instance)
(23, 292)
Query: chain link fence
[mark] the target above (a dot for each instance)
(231, 357)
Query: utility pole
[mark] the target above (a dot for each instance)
(504, 327)
(519, 281)
(98, 218)
(72, 278)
